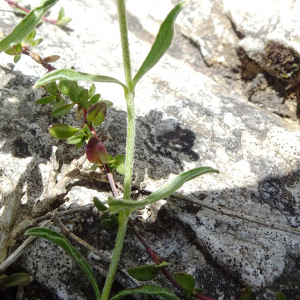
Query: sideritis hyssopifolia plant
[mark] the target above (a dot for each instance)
(91, 108)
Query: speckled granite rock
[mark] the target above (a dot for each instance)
(184, 120)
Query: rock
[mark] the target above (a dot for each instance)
(244, 229)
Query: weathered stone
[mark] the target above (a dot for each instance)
(184, 120)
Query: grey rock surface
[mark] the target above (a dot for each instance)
(246, 232)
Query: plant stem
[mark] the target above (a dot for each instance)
(124, 40)
(129, 97)
(123, 220)
(129, 146)
(123, 216)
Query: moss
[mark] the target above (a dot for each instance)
(283, 60)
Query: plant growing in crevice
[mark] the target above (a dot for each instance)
(64, 95)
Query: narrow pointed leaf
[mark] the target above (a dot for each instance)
(116, 205)
(152, 290)
(62, 110)
(99, 205)
(92, 90)
(66, 74)
(187, 281)
(62, 131)
(73, 93)
(61, 13)
(46, 100)
(26, 25)
(15, 280)
(162, 43)
(147, 272)
(62, 242)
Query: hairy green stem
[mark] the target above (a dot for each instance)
(129, 146)
(123, 220)
(125, 45)
(123, 216)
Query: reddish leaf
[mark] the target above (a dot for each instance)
(96, 152)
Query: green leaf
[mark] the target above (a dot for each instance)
(58, 102)
(120, 163)
(51, 90)
(64, 86)
(62, 131)
(62, 110)
(153, 290)
(95, 98)
(54, 85)
(61, 13)
(26, 25)
(97, 113)
(111, 222)
(62, 242)
(36, 42)
(84, 95)
(73, 93)
(99, 205)
(108, 103)
(30, 36)
(63, 21)
(46, 100)
(187, 281)
(10, 51)
(74, 139)
(244, 294)
(280, 296)
(19, 47)
(17, 58)
(147, 272)
(116, 205)
(162, 42)
(92, 90)
(78, 145)
(65, 74)
(15, 279)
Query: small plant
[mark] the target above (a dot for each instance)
(64, 95)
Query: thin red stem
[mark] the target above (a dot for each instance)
(158, 261)
(14, 4)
